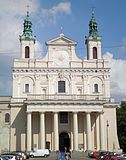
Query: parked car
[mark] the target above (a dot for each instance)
(89, 152)
(120, 156)
(20, 153)
(40, 153)
(8, 156)
(27, 155)
(109, 155)
(2, 158)
(93, 154)
(102, 154)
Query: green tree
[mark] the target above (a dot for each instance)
(121, 125)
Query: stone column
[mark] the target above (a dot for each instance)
(29, 131)
(88, 120)
(71, 132)
(97, 132)
(42, 130)
(75, 131)
(19, 89)
(85, 127)
(56, 132)
(102, 131)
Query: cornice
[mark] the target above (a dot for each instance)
(64, 102)
(64, 107)
(111, 105)
(16, 105)
(56, 70)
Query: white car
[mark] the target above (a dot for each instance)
(40, 153)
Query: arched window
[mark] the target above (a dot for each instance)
(96, 88)
(95, 53)
(26, 88)
(61, 86)
(27, 52)
(7, 117)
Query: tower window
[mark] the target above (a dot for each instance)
(26, 88)
(63, 117)
(7, 117)
(95, 53)
(27, 52)
(61, 86)
(96, 88)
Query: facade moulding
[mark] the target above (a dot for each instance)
(38, 70)
(59, 108)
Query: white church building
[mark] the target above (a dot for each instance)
(60, 100)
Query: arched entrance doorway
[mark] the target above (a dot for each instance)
(64, 141)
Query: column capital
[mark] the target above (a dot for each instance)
(75, 112)
(55, 112)
(102, 112)
(29, 112)
(88, 112)
(42, 112)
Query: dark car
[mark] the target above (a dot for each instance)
(102, 154)
(24, 155)
(121, 156)
(3, 158)
(109, 155)
(89, 152)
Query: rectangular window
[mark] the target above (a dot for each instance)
(63, 117)
(96, 88)
(61, 86)
(26, 88)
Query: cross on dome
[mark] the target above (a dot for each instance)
(28, 10)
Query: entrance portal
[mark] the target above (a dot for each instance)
(64, 141)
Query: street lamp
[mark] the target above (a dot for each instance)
(107, 136)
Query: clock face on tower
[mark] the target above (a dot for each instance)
(61, 58)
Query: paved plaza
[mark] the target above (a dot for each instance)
(74, 156)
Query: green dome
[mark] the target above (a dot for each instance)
(93, 31)
(27, 32)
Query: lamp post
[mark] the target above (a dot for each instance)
(107, 136)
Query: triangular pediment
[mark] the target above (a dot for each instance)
(61, 40)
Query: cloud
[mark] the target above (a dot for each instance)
(17, 8)
(38, 50)
(123, 48)
(11, 17)
(118, 76)
(12, 13)
(63, 7)
(48, 16)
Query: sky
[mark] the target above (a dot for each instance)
(48, 16)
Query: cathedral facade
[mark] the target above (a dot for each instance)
(60, 100)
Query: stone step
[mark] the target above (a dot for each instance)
(74, 155)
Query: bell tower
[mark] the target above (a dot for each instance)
(27, 40)
(93, 40)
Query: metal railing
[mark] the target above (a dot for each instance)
(61, 97)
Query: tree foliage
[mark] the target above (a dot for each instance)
(121, 125)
